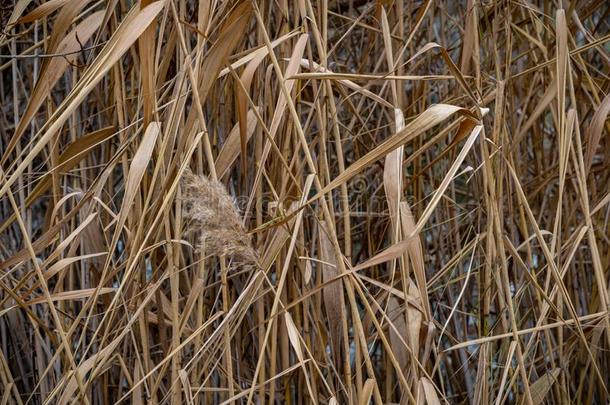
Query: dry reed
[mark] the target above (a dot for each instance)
(312, 201)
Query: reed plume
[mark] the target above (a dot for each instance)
(212, 214)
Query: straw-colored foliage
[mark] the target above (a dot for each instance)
(304, 201)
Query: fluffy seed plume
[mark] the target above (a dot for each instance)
(212, 213)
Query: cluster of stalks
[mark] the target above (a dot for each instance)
(312, 201)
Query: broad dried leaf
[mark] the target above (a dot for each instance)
(42, 11)
(293, 336)
(429, 392)
(333, 291)
(542, 386)
(593, 133)
(231, 147)
(71, 295)
(425, 121)
(367, 392)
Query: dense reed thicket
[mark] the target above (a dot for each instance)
(312, 201)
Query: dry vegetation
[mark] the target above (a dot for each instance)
(312, 201)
